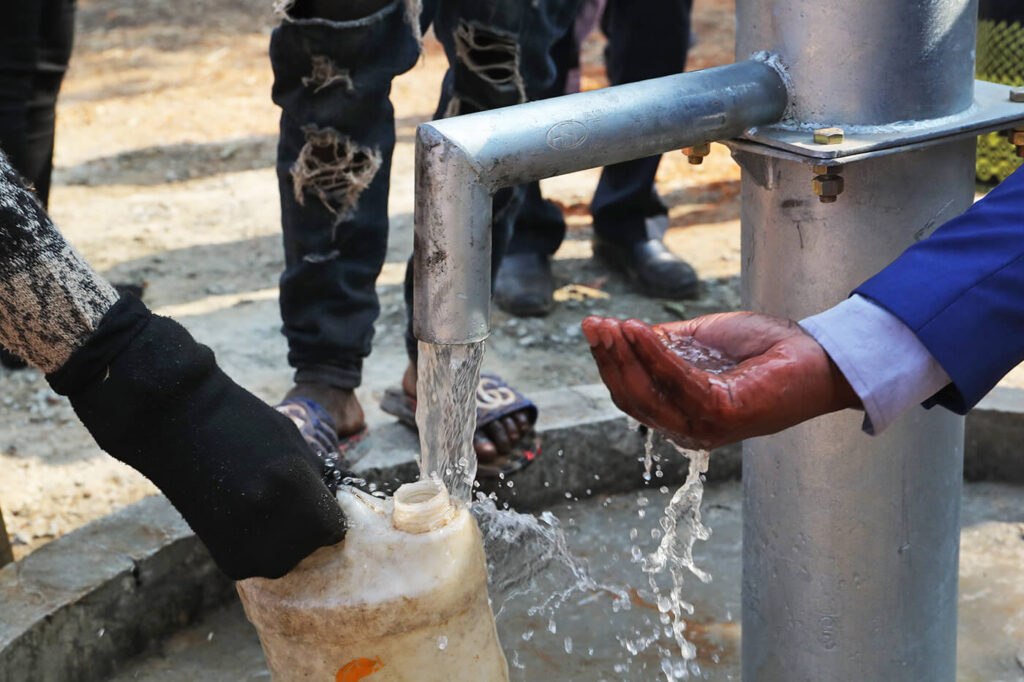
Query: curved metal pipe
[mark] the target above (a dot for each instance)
(461, 161)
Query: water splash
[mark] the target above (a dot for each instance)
(681, 527)
(446, 386)
(528, 558)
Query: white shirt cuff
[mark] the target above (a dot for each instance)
(886, 364)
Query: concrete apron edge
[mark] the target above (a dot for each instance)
(78, 607)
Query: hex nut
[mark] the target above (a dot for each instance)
(827, 185)
(698, 149)
(1017, 137)
(828, 136)
(697, 152)
(823, 169)
(1017, 94)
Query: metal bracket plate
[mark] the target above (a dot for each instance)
(992, 110)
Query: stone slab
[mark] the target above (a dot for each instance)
(991, 628)
(77, 607)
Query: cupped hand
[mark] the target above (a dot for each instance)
(776, 375)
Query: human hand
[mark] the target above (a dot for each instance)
(771, 375)
(239, 472)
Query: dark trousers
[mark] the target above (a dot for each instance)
(332, 81)
(646, 39)
(35, 47)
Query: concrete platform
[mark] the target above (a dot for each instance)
(79, 607)
(223, 646)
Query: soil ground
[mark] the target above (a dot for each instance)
(165, 176)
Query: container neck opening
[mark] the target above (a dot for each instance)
(422, 507)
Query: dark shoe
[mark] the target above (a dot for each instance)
(657, 272)
(524, 286)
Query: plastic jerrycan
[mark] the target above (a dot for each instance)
(403, 598)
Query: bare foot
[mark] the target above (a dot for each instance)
(341, 404)
(495, 439)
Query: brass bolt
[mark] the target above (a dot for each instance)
(828, 136)
(696, 153)
(1017, 94)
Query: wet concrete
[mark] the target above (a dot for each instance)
(224, 646)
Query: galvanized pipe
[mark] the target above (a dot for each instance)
(849, 541)
(866, 63)
(461, 161)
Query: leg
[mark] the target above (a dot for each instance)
(333, 64)
(499, 51)
(56, 35)
(524, 285)
(19, 54)
(646, 39)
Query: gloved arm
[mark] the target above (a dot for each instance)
(151, 396)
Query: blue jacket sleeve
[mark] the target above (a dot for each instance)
(961, 291)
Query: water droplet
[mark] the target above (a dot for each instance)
(528, 635)
(568, 645)
(442, 642)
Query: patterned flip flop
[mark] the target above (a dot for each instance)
(317, 427)
(495, 399)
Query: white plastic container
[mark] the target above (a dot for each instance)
(402, 599)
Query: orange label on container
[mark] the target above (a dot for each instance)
(353, 671)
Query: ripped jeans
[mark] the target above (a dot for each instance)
(332, 80)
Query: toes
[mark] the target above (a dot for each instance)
(485, 450)
(496, 432)
(512, 429)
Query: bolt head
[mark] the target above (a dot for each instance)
(823, 169)
(1017, 94)
(695, 160)
(827, 185)
(828, 136)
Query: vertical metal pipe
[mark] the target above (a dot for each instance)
(850, 541)
(868, 62)
(451, 244)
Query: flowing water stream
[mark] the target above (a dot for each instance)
(446, 385)
(528, 556)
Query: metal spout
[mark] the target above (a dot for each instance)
(461, 161)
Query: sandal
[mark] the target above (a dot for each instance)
(317, 427)
(495, 399)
